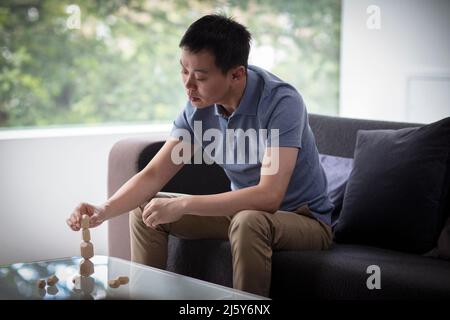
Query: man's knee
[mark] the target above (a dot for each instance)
(136, 222)
(136, 215)
(247, 222)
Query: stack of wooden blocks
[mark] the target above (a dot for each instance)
(84, 281)
(86, 248)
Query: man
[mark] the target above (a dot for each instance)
(278, 202)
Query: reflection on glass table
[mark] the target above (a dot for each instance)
(19, 281)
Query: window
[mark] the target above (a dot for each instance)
(90, 62)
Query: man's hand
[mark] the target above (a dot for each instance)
(96, 214)
(162, 211)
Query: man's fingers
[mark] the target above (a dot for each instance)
(147, 212)
(147, 221)
(76, 216)
(84, 208)
(71, 225)
(150, 222)
(74, 220)
(145, 215)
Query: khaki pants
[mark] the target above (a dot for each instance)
(253, 236)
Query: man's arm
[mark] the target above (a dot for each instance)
(266, 196)
(145, 184)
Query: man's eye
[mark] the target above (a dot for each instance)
(200, 79)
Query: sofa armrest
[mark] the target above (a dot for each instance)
(123, 163)
(128, 157)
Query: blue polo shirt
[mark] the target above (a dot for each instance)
(267, 103)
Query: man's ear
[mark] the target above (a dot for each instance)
(238, 73)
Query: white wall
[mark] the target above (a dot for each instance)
(401, 71)
(41, 181)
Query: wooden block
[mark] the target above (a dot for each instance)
(86, 284)
(123, 280)
(85, 221)
(87, 250)
(52, 290)
(114, 283)
(86, 235)
(41, 283)
(86, 267)
(52, 280)
(42, 292)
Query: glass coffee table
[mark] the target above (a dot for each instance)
(19, 281)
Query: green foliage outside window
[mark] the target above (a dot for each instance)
(116, 61)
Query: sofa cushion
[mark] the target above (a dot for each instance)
(338, 273)
(337, 170)
(397, 192)
(342, 273)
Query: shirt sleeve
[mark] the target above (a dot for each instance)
(287, 122)
(181, 128)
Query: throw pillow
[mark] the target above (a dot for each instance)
(396, 194)
(337, 171)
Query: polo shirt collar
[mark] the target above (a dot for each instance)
(250, 99)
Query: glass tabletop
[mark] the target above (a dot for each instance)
(19, 281)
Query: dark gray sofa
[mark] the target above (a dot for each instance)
(339, 273)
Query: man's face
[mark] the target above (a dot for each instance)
(204, 82)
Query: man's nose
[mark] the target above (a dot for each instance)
(189, 83)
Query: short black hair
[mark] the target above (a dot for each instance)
(225, 38)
